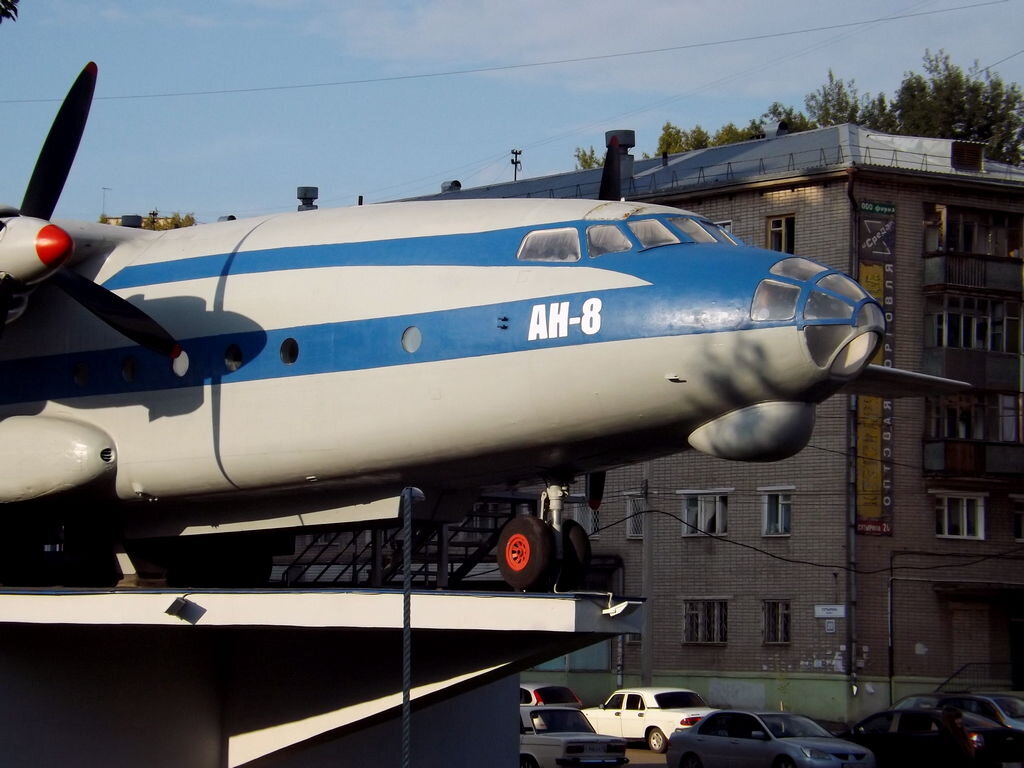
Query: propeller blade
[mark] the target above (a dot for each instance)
(7, 286)
(611, 176)
(119, 314)
(595, 489)
(58, 152)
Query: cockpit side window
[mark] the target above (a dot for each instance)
(774, 301)
(693, 230)
(606, 238)
(651, 233)
(550, 245)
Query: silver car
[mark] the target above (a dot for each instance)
(735, 739)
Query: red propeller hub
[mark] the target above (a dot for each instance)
(53, 245)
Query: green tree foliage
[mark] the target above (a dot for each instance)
(834, 103)
(174, 221)
(587, 159)
(8, 10)
(674, 139)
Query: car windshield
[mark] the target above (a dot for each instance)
(1011, 705)
(559, 721)
(785, 726)
(679, 700)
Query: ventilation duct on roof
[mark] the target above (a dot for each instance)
(967, 156)
(774, 130)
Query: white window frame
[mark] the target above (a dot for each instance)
(784, 494)
(712, 507)
(963, 506)
(635, 516)
(710, 621)
(776, 629)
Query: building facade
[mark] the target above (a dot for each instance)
(888, 555)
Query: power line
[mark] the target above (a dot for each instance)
(522, 65)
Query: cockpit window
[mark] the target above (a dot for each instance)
(550, 245)
(821, 306)
(606, 238)
(797, 268)
(843, 286)
(651, 233)
(692, 229)
(774, 301)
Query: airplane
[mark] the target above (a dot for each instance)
(186, 398)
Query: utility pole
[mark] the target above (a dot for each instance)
(647, 579)
(103, 208)
(517, 164)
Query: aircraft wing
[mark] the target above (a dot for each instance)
(883, 381)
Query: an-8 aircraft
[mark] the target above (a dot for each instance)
(166, 390)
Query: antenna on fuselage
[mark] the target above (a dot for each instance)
(307, 198)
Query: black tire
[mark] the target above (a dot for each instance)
(690, 760)
(783, 761)
(656, 741)
(526, 761)
(526, 553)
(575, 556)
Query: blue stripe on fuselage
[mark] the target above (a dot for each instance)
(694, 288)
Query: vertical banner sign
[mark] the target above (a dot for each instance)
(876, 231)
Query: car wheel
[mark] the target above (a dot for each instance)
(525, 761)
(690, 760)
(656, 741)
(783, 761)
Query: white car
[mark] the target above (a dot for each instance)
(553, 736)
(651, 714)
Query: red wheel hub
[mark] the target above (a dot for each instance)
(517, 552)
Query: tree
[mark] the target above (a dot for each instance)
(587, 159)
(674, 139)
(834, 103)
(729, 134)
(8, 10)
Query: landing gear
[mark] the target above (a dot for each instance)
(536, 554)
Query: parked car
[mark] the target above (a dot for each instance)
(552, 736)
(1005, 708)
(651, 714)
(730, 738)
(544, 693)
(903, 737)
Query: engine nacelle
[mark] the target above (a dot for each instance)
(32, 249)
(761, 432)
(43, 455)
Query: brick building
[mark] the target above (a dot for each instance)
(889, 554)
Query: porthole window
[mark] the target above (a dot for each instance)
(80, 373)
(411, 339)
(289, 351)
(233, 357)
(129, 369)
(180, 364)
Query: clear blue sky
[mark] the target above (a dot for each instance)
(409, 126)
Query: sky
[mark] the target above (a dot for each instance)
(217, 107)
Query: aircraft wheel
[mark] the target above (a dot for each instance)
(526, 553)
(575, 556)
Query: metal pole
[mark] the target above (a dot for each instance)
(409, 496)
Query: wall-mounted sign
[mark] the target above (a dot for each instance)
(837, 611)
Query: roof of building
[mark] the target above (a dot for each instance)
(832, 148)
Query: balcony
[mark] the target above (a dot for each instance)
(999, 371)
(973, 458)
(963, 270)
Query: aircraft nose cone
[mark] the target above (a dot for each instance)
(53, 245)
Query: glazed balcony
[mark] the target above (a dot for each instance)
(973, 458)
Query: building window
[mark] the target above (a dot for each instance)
(635, 515)
(704, 513)
(970, 322)
(960, 517)
(775, 621)
(973, 231)
(1018, 517)
(589, 518)
(782, 233)
(776, 506)
(705, 621)
(991, 416)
